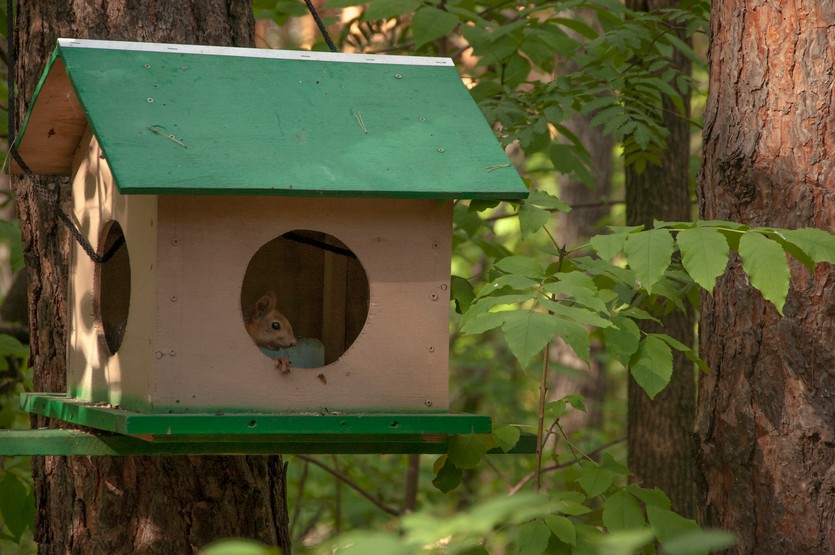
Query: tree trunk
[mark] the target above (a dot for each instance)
(660, 431)
(127, 504)
(575, 228)
(767, 409)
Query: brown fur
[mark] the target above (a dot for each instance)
(261, 321)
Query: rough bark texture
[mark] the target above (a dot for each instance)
(767, 409)
(132, 504)
(660, 431)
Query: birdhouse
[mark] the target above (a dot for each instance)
(279, 223)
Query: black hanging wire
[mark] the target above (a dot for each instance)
(42, 190)
(312, 9)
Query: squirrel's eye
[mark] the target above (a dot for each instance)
(276, 325)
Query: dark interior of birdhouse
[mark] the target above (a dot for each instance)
(318, 284)
(112, 288)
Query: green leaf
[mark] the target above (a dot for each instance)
(532, 219)
(652, 365)
(679, 346)
(696, 542)
(669, 526)
(431, 23)
(621, 511)
(239, 546)
(17, 505)
(655, 496)
(576, 313)
(532, 537)
(765, 263)
(575, 336)
(527, 332)
(571, 504)
(507, 437)
(562, 528)
(594, 479)
(704, 254)
(546, 200)
(11, 347)
(622, 339)
(523, 265)
(465, 451)
(648, 254)
(579, 286)
(817, 243)
(385, 9)
(608, 246)
(475, 323)
(448, 476)
(462, 293)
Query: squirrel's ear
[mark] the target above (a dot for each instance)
(264, 305)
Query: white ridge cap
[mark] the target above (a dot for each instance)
(255, 52)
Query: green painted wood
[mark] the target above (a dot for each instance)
(174, 122)
(252, 427)
(61, 442)
(76, 442)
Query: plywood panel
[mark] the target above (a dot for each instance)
(93, 373)
(399, 360)
(53, 129)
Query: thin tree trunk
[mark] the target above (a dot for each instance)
(660, 440)
(127, 504)
(575, 228)
(766, 421)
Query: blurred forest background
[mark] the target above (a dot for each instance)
(573, 316)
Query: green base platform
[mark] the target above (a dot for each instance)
(132, 433)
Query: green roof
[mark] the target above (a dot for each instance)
(216, 120)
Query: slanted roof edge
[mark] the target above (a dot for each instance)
(305, 55)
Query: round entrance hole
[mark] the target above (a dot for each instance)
(112, 287)
(305, 297)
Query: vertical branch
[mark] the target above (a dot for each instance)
(412, 474)
(540, 417)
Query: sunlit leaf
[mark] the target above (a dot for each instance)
(652, 365)
(594, 479)
(704, 254)
(532, 218)
(768, 270)
(430, 23)
(523, 265)
(622, 339)
(507, 437)
(817, 243)
(384, 9)
(648, 254)
(575, 336)
(547, 200)
(527, 332)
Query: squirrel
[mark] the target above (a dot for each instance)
(270, 329)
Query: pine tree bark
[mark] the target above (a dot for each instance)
(127, 504)
(766, 418)
(660, 440)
